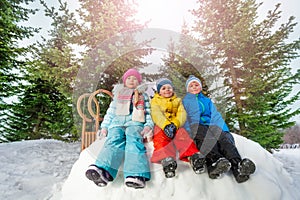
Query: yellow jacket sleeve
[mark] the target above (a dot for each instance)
(157, 114)
(180, 117)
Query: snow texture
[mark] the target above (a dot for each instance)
(271, 181)
(45, 170)
(36, 169)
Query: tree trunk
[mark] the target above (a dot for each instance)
(237, 96)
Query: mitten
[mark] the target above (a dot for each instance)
(170, 130)
(147, 133)
(101, 134)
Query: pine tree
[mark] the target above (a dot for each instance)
(102, 21)
(254, 58)
(55, 59)
(106, 32)
(186, 57)
(44, 107)
(55, 66)
(12, 13)
(40, 113)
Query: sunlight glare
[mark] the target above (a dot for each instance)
(167, 14)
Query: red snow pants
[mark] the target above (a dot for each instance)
(165, 147)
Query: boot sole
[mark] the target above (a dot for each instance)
(170, 174)
(170, 170)
(169, 167)
(221, 167)
(246, 167)
(134, 183)
(200, 170)
(199, 166)
(241, 178)
(96, 176)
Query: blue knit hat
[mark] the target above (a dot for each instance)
(161, 82)
(191, 79)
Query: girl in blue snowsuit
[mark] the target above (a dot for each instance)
(212, 136)
(126, 122)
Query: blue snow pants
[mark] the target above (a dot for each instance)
(124, 143)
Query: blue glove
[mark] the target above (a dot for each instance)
(170, 130)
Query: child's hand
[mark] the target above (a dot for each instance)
(170, 130)
(147, 133)
(101, 133)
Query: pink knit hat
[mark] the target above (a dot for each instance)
(132, 72)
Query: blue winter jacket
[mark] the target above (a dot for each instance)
(201, 110)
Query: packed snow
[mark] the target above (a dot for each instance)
(35, 169)
(50, 169)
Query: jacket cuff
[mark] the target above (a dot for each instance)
(176, 123)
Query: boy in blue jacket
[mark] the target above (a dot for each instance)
(212, 136)
(126, 122)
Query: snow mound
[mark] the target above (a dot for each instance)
(269, 182)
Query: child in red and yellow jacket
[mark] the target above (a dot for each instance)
(169, 115)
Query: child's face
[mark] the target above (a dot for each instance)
(166, 91)
(131, 82)
(194, 87)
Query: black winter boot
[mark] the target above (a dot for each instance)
(169, 167)
(198, 163)
(216, 169)
(98, 175)
(242, 169)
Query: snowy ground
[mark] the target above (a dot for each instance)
(38, 170)
(291, 162)
(35, 170)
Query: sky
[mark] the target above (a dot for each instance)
(54, 170)
(177, 12)
(170, 15)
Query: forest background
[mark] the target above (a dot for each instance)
(256, 56)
